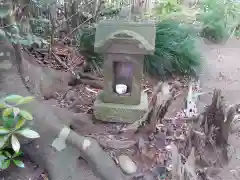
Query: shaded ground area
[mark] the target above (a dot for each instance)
(222, 70)
(30, 172)
(103, 132)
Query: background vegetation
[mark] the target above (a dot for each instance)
(180, 26)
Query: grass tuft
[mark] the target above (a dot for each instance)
(176, 50)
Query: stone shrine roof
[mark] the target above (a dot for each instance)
(141, 32)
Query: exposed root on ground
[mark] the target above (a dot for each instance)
(48, 125)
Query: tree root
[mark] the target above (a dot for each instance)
(58, 164)
(93, 83)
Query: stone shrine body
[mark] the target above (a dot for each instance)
(124, 45)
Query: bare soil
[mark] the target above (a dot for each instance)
(222, 70)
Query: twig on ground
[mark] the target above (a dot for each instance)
(91, 90)
(93, 83)
(60, 61)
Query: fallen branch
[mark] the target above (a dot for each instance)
(62, 63)
(87, 76)
(80, 77)
(93, 83)
(112, 143)
(161, 105)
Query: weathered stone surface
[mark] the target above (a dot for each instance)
(112, 112)
(127, 165)
(139, 32)
(124, 44)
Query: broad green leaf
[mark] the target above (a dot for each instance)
(20, 123)
(7, 112)
(7, 154)
(4, 131)
(13, 98)
(15, 143)
(3, 141)
(6, 164)
(8, 122)
(28, 133)
(26, 100)
(2, 159)
(26, 115)
(17, 154)
(18, 163)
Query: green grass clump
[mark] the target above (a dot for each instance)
(220, 19)
(175, 50)
(215, 28)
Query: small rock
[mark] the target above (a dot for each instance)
(127, 165)
(70, 95)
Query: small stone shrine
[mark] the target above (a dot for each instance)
(124, 45)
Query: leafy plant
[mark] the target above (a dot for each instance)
(14, 122)
(174, 9)
(220, 19)
(176, 50)
(6, 158)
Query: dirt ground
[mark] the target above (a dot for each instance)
(222, 70)
(30, 172)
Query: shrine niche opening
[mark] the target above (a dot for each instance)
(122, 83)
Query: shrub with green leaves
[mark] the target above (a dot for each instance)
(14, 124)
(176, 50)
(220, 19)
(6, 158)
(174, 9)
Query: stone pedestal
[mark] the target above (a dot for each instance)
(112, 112)
(123, 45)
